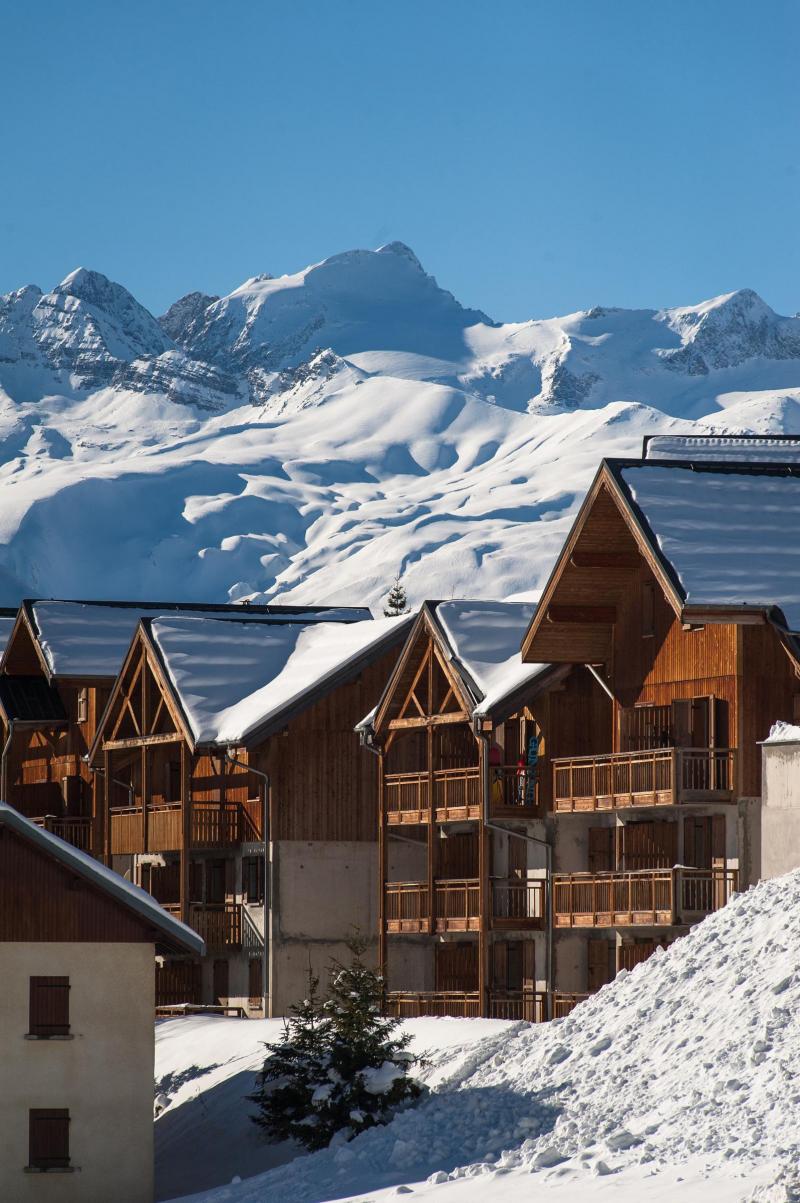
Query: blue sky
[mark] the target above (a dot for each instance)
(539, 157)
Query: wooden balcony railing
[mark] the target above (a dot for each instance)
(213, 825)
(407, 907)
(407, 798)
(219, 924)
(457, 905)
(126, 830)
(513, 791)
(530, 1005)
(657, 777)
(76, 831)
(457, 794)
(414, 1004)
(518, 904)
(564, 1003)
(645, 897)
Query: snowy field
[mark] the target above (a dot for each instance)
(679, 1081)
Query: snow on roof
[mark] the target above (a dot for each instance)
(232, 678)
(124, 891)
(485, 637)
(783, 733)
(723, 448)
(90, 639)
(6, 627)
(730, 536)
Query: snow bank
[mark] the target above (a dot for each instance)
(688, 1065)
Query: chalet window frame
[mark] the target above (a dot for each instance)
(253, 875)
(44, 1134)
(82, 705)
(38, 1000)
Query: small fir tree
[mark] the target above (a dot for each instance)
(293, 1071)
(369, 1057)
(396, 602)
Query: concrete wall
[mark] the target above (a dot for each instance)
(104, 1076)
(322, 893)
(780, 811)
(411, 964)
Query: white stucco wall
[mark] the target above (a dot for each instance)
(104, 1076)
(780, 811)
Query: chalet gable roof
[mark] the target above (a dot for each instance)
(237, 683)
(174, 935)
(719, 536)
(479, 642)
(89, 639)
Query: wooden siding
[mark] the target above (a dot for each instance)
(769, 687)
(41, 900)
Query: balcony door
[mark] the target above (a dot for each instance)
(601, 967)
(704, 841)
(456, 967)
(647, 844)
(514, 966)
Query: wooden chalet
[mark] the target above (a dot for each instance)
(464, 734)
(236, 793)
(679, 591)
(57, 671)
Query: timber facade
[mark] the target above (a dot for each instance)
(659, 825)
(249, 841)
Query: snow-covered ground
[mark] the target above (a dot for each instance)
(680, 1080)
(309, 437)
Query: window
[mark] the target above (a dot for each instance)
(253, 878)
(49, 1007)
(48, 1140)
(83, 705)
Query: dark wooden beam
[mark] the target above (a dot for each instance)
(605, 559)
(143, 741)
(432, 720)
(603, 615)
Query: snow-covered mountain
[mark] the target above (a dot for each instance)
(310, 436)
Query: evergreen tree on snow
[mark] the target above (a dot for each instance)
(293, 1071)
(340, 1068)
(396, 602)
(369, 1057)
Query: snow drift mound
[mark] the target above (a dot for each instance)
(693, 1055)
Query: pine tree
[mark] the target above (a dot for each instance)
(396, 602)
(294, 1071)
(369, 1057)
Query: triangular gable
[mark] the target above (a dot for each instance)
(142, 704)
(22, 655)
(424, 684)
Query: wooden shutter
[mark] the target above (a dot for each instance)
(681, 722)
(500, 966)
(718, 840)
(528, 965)
(601, 849)
(49, 1006)
(48, 1139)
(256, 979)
(457, 966)
(517, 858)
(633, 953)
(221, 982)
(688, 841)
(230, 878)
(601, 953)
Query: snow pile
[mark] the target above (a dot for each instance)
(731, 536)
(309, 437)
(693, 1059)
(783, 733)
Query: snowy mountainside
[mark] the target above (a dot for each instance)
(310, 436)
(680, 1079)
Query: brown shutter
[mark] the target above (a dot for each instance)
(601, 849)
(688, 841)
(600, 971)
(718, 839)
(528, 965)
(681, 722)
(49, 1006)
(255, 987)
(500, 965)
(48, 1139)
(221, 978)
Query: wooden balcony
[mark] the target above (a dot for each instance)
(515, 905)
(220, 924)
(518, 904)
(415, 1004)
(458, 905)
(75, 831)
(645, 897)
(457, 795)
(213, 825)
(407, 910)
(530, 1005)
(564, 1003)
(657, 777)
(221, 824)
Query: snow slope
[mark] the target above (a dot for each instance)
(680, 1079)
(309, 436)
